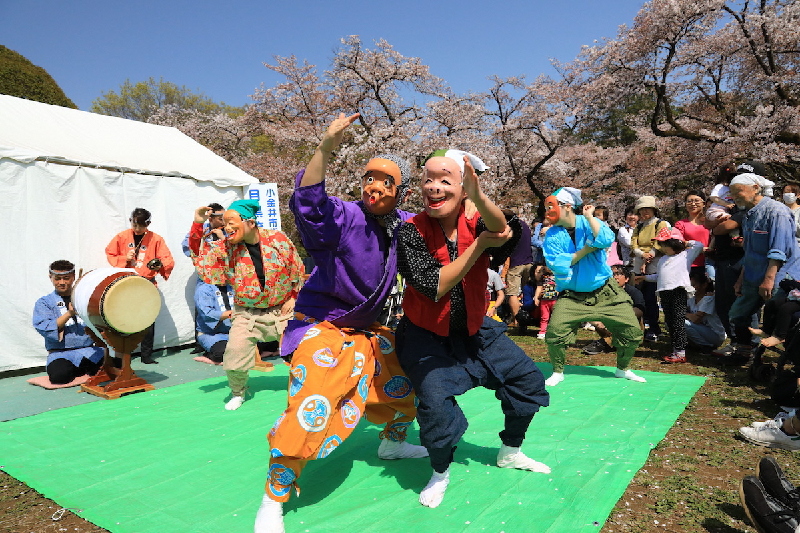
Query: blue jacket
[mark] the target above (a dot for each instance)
(769, 233)
(209, 305)
(589, 273)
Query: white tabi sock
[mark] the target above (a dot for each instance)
(509, 457)
(433, 493)
(627, 374)
(555, 379)
(269, 518)
(392, 449)
(234, 403)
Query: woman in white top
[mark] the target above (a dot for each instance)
(624, 236)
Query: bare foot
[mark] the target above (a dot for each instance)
(771, 341)
(756, 331)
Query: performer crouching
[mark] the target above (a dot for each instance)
(575, 250)
(446, 344)
(344, 366)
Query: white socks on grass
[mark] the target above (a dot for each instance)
(269, 518)
(558, 377)
(509, 457)
(391, 449)
(433, 493)
(234, 403)
(555, 379)
(627, 374)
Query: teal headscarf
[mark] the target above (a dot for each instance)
(246, 208)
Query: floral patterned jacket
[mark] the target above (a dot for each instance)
(219, 262)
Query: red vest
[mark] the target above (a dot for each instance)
(435, 316)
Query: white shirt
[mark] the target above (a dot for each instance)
(706, 305)
(673, 270)
(624, 238)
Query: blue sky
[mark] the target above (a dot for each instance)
(219, 48)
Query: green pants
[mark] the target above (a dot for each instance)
(609, 304)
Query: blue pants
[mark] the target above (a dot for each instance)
(743, 308)
(441, 368)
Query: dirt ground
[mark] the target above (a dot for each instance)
(689, 483)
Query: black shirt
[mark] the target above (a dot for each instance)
(258, 263)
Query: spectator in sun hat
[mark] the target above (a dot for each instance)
(645, 250)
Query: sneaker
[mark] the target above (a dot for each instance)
(778, 486)
(674, 358)
(776, 422)
(597, 347)
(733, 354)
(724, 351)
(771, 438)
(650, 337)
(766, 513)
(540, 335)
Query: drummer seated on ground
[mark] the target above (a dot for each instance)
(71, 352)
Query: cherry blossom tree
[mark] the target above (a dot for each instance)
(718, 72)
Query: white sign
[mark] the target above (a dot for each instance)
(269, 216)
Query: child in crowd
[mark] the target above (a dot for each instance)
(704, 328)
(495, 294)
(545, 298)
(673, 286)
(530, 311)
(721, 200)
(778, 314)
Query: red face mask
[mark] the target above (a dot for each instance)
(552, 211)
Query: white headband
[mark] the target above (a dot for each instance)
(754, 179)
(569, 195)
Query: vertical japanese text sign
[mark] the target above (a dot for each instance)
(267, 195)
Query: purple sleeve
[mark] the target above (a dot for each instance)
(319, 217)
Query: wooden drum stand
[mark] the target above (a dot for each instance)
(122, 380)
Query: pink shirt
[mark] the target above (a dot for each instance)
(694, 232)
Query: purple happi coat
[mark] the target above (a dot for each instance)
(355, 262)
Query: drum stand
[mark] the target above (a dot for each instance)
(122, 380)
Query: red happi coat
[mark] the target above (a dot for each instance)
(152, 246)
(435, 316)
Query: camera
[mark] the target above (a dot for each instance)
(154, 264)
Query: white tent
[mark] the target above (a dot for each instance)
(68, 183)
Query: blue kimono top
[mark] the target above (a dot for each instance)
(72, 343)
(210, 305)
(588, 274)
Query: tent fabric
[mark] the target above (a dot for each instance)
(59, 211)
(32, 129)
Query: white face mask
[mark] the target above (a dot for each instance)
(789, 198)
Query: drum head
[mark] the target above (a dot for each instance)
(131, 304)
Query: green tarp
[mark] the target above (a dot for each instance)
(173, 460)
